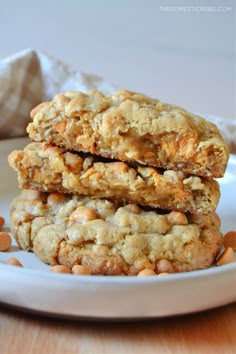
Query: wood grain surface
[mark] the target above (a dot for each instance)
(209, 332)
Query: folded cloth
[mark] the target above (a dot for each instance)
(30, 77)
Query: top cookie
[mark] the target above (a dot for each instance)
(130, 126)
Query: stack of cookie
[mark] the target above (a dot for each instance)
(119, 184)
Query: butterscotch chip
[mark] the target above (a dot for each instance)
(164, 266)
(133, 208)
(130, 126)
(146, 273)
(14, 261)
(80, 270)
(5, 241)
(60, 269)
(118, 241)
(226, 257)
(2, 221)
(46, 168)
(176, 217)
(230, 240)
(82, 215)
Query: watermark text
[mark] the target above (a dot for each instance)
(196, 9)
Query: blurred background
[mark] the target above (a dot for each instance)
(179, 51)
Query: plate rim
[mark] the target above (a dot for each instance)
(110, 281)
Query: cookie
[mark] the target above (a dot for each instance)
(43, 167)
(129, 126)
(110, 239)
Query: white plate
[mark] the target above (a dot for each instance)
(34, 288)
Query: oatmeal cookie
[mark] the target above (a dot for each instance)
(44, 167)
(110, 239)
(129, 126)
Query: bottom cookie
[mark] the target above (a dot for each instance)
(111, 239)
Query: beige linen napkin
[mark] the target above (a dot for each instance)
(30, 77)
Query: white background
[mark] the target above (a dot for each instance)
(182, 56)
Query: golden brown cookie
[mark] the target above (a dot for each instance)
(129, 126)
(112, 240)
(43, 167)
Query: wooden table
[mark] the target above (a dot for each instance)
(209, 332)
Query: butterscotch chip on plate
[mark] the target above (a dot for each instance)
(129, 126)
(47, 168)
(113, 239)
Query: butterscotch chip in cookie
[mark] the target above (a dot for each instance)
(117, 241)
(146, 273)
(129, 126)
(44, 167)
(80, 270)
(164, 266)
